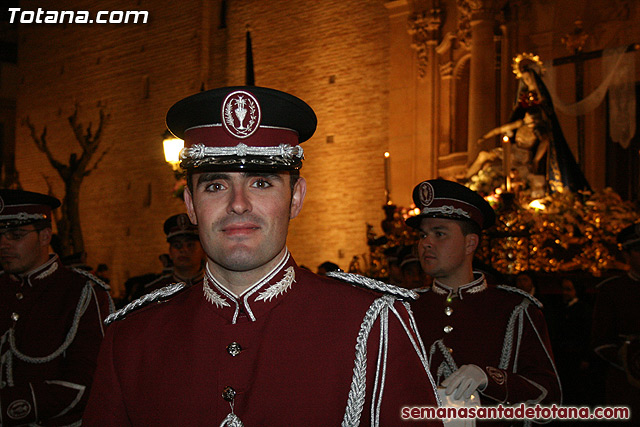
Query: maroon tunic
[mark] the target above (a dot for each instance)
(286, 347)
(51, 326)
(480, 325)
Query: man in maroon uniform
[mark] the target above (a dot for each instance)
(261, 342)
(185, 252)
(615, 334)
(487, 340)
(50, 319)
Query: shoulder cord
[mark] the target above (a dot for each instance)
(231, 420)
(83, 303)
(507, 345)
(94, 279)
(156, 295)
(355, 404)
(382, 357)
(376, 285)
(448, 365)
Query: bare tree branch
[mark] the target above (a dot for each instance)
(98, 160)
(41, 143)
(72, 174)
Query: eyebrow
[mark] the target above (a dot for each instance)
(435, 228)
(212, 176)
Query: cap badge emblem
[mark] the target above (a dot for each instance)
(426, 193)
(241, 114)
(183, 221)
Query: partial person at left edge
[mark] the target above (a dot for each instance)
(50, 319)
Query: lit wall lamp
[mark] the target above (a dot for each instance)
(172, 147)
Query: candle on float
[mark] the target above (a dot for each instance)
(387, 184)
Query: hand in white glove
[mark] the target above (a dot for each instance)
(465, 381)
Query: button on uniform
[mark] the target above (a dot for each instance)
(19, 295)
(234, 349)
(228, 394)
(448, 329)
(15, 316)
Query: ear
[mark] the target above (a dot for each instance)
(471, 242)
(188, 201)
(297, 198)
(45, 237)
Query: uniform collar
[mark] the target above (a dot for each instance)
(191, 280)
(479, 284)
(265, 294)
(40, 272)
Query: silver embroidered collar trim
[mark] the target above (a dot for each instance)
(48, 272)
(212, 296)
(279, 287)
(208, 277)
(42, 271)
(478, 285)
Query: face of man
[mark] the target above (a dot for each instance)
(445, 253)
(524, 282)
(186, 254)
(632, 258)
(243, 218)
(568, 291)
(24, 248)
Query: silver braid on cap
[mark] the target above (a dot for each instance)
(199, 151)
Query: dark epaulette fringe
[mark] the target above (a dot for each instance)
(521, 292)
(375, 285)
(157, 295)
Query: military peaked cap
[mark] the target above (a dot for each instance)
(439, 198)
(19, 207)
(180, 225)
(242, 127)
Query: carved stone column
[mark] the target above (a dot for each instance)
(413, 95)
(482, 81)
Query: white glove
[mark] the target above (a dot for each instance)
(465, 381)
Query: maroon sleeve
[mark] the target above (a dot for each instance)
(106, 404)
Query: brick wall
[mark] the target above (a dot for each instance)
(333, 54)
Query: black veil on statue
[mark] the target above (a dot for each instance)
(562, 170)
